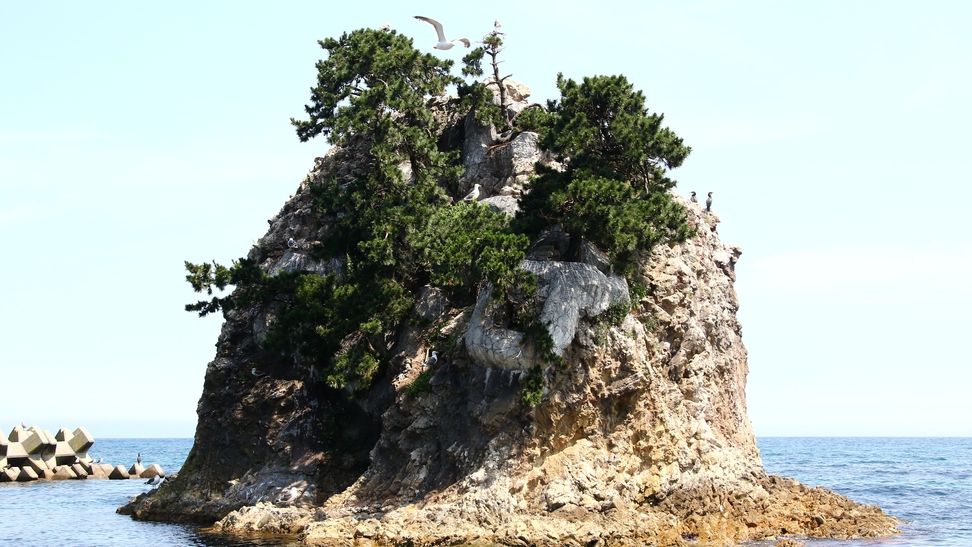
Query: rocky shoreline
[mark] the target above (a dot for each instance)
(788, 510)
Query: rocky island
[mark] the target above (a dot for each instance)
(590, 395)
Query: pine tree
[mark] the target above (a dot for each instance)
(613, 191)
(487, 110)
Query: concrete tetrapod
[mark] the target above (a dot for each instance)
(33, 453)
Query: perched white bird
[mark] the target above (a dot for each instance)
(431, 361)
(156, 480)
(289, 495)
(708, 203)
(693, 198)
(443, 44)
(291, 243)
(473, 194)
(256, 372)
(386, 27)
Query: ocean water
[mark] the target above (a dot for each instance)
(82, 513)
(924, 481)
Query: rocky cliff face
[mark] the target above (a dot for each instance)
(640, 437)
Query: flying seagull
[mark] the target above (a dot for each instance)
(431, 361)
(496, 24)
(473, 194)
(693, 198)
(443, 44)
(291, 243)
(708, 203)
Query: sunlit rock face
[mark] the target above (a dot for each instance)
(640, 437)
(569, 291)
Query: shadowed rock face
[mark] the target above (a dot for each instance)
(641, 437)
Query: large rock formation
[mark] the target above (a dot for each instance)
(640, 437)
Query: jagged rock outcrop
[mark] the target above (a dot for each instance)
(501, 164)
(641, 437)
(570, 291)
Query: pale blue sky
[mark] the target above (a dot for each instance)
(835, 136)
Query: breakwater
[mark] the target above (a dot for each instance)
(30, 454)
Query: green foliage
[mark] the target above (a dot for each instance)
(650, 321)
(472, 63)
(535, 118)
(358, 364)
(603, 126)
(477, 96)
(372, 81)
(617, 312)
(523, 309)
(612, 317)
(533, 387)
(421, 384)
(613, 191)
(638, 291)
(468, 242)
(204, 277)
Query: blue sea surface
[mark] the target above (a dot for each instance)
(82, 512)
(924, 481)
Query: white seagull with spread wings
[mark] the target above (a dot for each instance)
(443, 44)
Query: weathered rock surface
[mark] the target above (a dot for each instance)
(570, 290)
(640, 438)
(500, 164)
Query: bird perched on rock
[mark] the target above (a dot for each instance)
(138, 459)
(473, 194)
(708, 203)
(156, 480)
(443, 44)
(431, 361)
(289, 495)
(693, 199)
(256, 372)
(291, 243)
